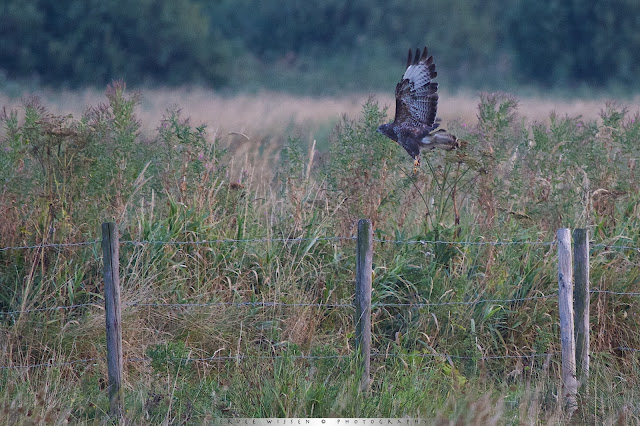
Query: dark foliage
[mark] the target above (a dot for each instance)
(89, 42)
(319, 45)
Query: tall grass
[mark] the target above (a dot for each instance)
(512, 180)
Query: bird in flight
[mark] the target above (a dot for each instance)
(415, 125)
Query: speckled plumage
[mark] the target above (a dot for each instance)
(415, 123)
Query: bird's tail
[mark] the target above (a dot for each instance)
(441, 139)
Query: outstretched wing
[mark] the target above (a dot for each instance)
(416, 94)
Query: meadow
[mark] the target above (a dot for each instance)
(191, 165)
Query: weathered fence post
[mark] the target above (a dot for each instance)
(565, 305)
(110, 251)
(364, 262)
(581, 300)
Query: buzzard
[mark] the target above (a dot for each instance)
(414, 126)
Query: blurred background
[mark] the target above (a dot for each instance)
(321, 47)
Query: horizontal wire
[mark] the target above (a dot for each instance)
(257, 240)
(244, 357)
(314, 305)
(615, 247)
(622, 348)
(49, 364)
(463, 357)
(618, 293)
(52, 308)
(337, 305)
(376, 355)
(474, 302)
(467, 243)
(85, 243)
(266, 304)
(254, 240)
(335, 238)
(141, 242)
(274, 304)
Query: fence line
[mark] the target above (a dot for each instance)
(338, 305)
(468, 243)
(615, 247)
(244, 356)
(567, 268)
(275, 304)
(473, 302)
(332, 238)
(222, 241)
(172, 242)
(52, 308)
(312, 305)
(310, 357)
(49, 364)
(252, 304)
(618, 293)
(85, 243)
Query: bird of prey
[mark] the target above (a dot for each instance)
(415, 125)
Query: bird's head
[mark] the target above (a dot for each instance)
(388, 131)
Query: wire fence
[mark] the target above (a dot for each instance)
(242, 357)
(308, 305)
(239, 357)
(283, 304)
(301, 239)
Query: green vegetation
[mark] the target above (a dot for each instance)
(320, 46)
(61, 176)
(78, 42)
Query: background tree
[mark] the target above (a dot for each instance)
(320, 46)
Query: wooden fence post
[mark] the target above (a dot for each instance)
(565, 305)
(581, 300)
(364, 262)
(110, 252)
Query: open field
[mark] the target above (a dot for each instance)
(252, 113)
(262, 347)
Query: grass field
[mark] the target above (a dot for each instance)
(254, 172)
(253, 113)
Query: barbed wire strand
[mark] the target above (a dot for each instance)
(231, 240)
(85, 243)
(482, 358)
(615, 247)
(622, 348)
(313, 305)
(472, 302)
(338, 305)
(617, 293)
(331, 238)
(252, 304)
(50, 364)
(240, 357)
(52, 308)
(143, 242)
(467, 243)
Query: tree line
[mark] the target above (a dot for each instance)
(227, 43)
